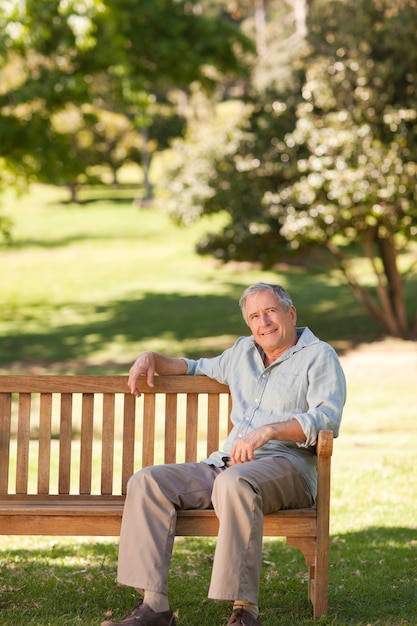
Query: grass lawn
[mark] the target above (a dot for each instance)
(84, 289)
(87, 287)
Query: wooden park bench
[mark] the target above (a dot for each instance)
(68, 445)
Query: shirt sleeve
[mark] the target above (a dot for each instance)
(326, 396)
(191, 366)
(218, 367)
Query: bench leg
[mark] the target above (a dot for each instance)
(320, 585)
(311, 578)
(318, 572)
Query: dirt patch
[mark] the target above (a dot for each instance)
(390, 360)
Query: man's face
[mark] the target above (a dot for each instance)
(272, 327)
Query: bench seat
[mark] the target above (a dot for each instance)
(98, 515)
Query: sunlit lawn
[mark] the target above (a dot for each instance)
(89, 286)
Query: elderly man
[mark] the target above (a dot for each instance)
(286, 386)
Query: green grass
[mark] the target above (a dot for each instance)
(372, 581)
(84, 289)
(87, 287)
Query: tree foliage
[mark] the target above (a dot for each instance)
(332, 163)
(99, 57)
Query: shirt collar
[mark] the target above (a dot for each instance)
(305, 338)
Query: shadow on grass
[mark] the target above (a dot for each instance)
(329, 310)
(127, 199)
(372, 581)
(119, 193)
(374, 576)
(62, 242)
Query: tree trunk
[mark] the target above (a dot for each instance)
(146, 164)
(395, 287)
(73, 189)
(389, 307)
(260, 27)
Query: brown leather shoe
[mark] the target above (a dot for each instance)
(240, 617)
(143, 615)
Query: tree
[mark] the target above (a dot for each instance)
(358, 122)
(226, 166)
(333, 163)
(58, 53)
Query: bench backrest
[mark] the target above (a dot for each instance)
(87, 434)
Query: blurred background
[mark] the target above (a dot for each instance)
(157, 156)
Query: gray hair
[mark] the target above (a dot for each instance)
(281, 293)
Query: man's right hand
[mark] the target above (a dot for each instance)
(144, 365)
(149, 363)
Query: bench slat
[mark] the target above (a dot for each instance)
(128, 455)
(148, 430)
(191, 421)
(170, 439)
(44, 452)
(213, 422)
(107, 447)
(65, 438)
(23, 436)
(107, 384)
(5, 426)
(86, 446)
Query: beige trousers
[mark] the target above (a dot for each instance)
(240, 495)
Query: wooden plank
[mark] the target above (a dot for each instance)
(213, 421)
(79, 523)
(22, 504)
(325, 444)
(44, 450)
(171, 416)
(5, 425)
(86, 445)
(78, 510)
(321, 582)
(294, 523)
(191, 431)
(204, 524)
(23, 439)
(25, 502)
(148, 430)
(184, 384)
(64, 384)
(128, 455)
(63, 525)
(108, 384)
(229, 421)
(65, 437)
(107, 449)
(306, 544)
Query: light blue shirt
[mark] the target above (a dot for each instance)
(305, 383)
